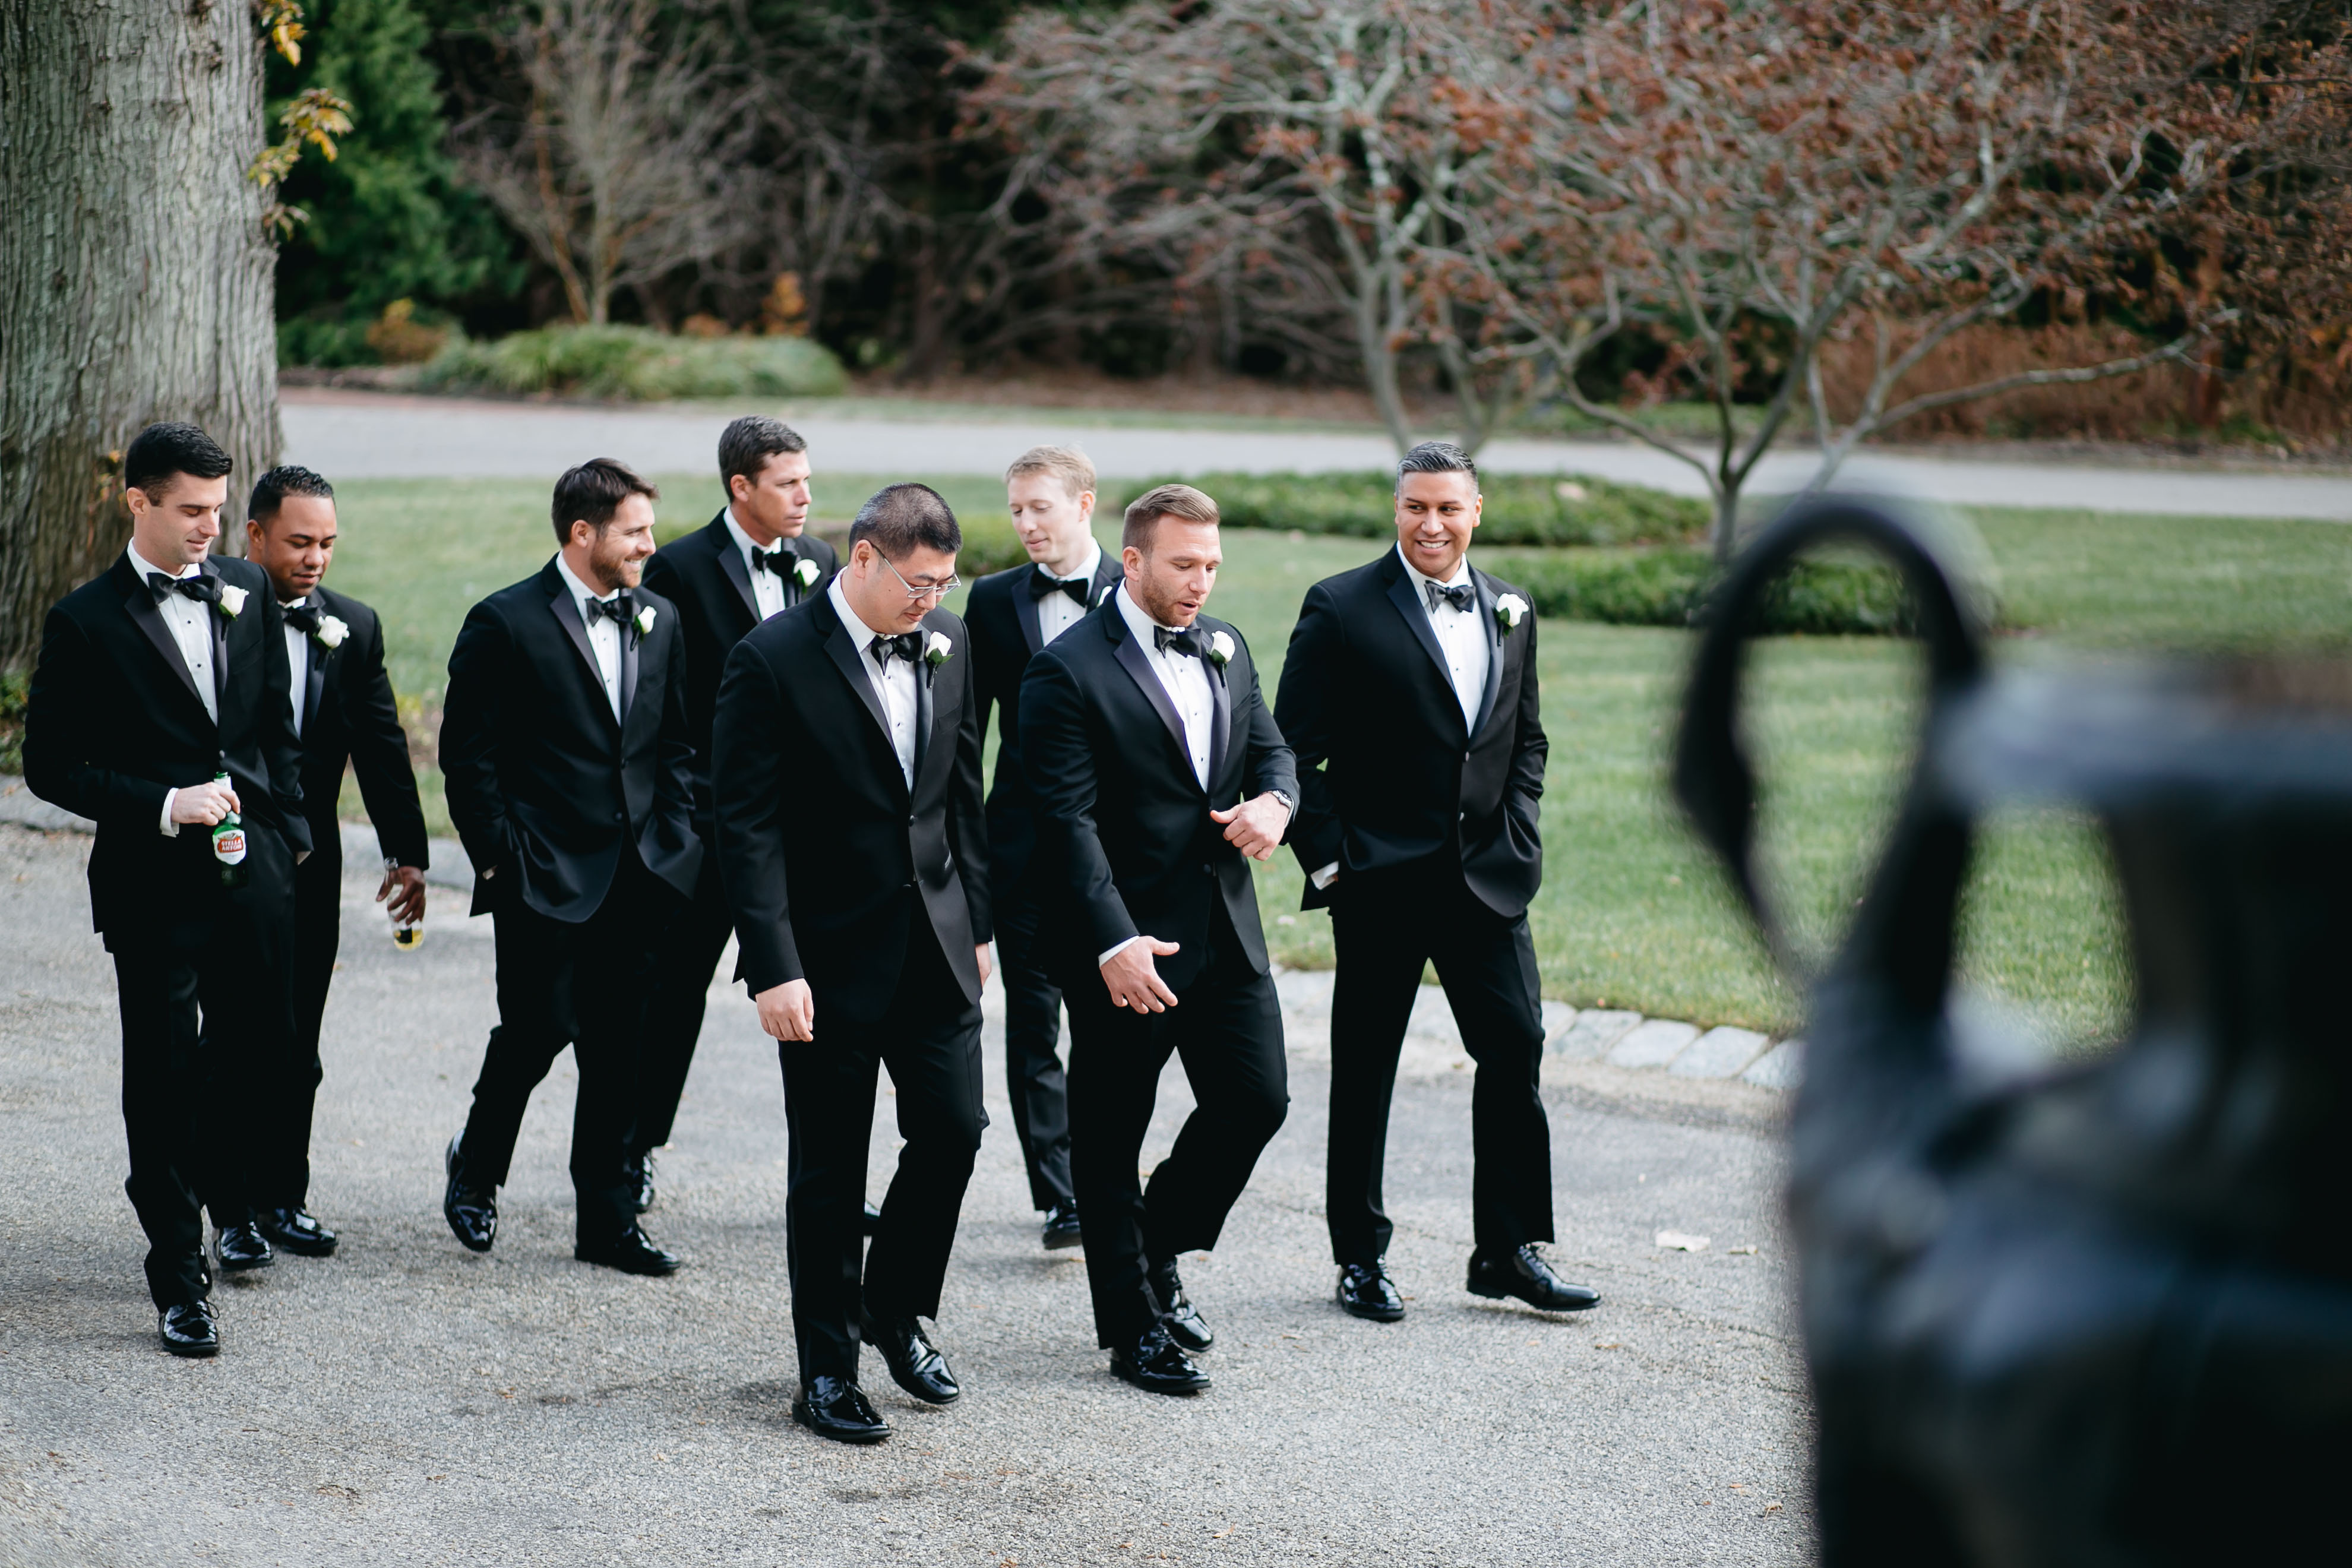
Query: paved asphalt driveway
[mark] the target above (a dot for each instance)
(407, 1402)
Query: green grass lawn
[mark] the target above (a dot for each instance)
(1632, 913)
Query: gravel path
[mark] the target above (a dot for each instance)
(356, 435)
(409, 1401)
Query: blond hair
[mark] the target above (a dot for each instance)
(1144, 512)
(1067, 464)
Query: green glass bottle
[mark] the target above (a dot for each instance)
(228, 845)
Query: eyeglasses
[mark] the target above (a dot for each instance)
(929, 589)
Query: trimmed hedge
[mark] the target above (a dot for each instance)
(1521, 508)
(636, 365)
(1670, 588)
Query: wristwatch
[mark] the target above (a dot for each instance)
(1288, 804)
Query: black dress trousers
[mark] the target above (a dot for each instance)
(1386, 925)
(929, 1039)
(1034, 1078)
(203, 1001)
(685, 959)
(581, 986)
(1227, 1027)
(288, 1092)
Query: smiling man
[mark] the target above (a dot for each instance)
(1410, 696)
(1155, 770)
(343, 709)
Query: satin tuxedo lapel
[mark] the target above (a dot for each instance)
(1221, 722)
(567, 616)
(731, 561)
(1416, 619)
(842, 649)
(1491, 627)
(925, 714)
(139, 600)
(1138, 669)
(1025, 610)
(314, 681)
(216, 626)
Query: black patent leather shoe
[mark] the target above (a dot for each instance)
(833, 1407)
(297, 1230)
(1158, 1365)
(916, 1364)
(240, 1247)
(641, 1170)
(472, 1212)
(1366, 1291)
(1183, 1321)
(190, 1328)
(631, 1252)
(1523, 1273)
(1061, 1228)
(872, 1220)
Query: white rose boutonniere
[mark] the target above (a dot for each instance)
(805, 572)
(232, 600)
(1509, 611)
(1221, 649)
(938, 649)
(330, 633)
(645, 619)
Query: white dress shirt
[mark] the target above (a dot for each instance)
(1057, 613)
(767, 588)
(298, 659)
(192, 633)
(1186, 682)
(603, 636)
(893, 679)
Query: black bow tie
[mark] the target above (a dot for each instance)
(777, 563)
(304, 616)
(202, 587)
(1186, 642)
(908, 646)
(620, 609)
(1462, 596)
(1044, 585)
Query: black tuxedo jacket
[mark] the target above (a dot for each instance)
(1125, 845)
(824, 849)
(114, 725)
(703, 575)
(349, 714)
(1388, 771)
(544, 784)
(1002, 617)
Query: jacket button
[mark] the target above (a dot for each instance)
(620, 816)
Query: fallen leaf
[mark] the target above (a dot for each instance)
(1740, 1251)
(1676, 1241)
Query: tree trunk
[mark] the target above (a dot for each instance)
(135, 273)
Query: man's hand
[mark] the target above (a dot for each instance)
(204, 804)
(1132, 980)
(788, 1012)
(409, 907)
(981, 953)
(1255, 827)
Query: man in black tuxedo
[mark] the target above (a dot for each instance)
(564, 746)
(752, 560)
(1410, 696)
(1155, 767)
(1013, 613)
(847, 776)
(343, 710)
(158, 708)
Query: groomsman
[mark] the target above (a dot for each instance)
(1410, 696)
(565, 747)
(1013, 613)
(1155, 767)
(342, 710)
(856, 857)
(158, 708)
(752, 560)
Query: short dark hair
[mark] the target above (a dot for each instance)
(594, 492)
(161, 452)
(900, 518)
(1437, 457)
(747, 444)
(286, 479)
(1144, 512)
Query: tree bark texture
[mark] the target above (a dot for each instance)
(135, 272)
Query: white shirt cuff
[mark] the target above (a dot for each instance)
(1324, 876)
(1110, 952)
(171, 829)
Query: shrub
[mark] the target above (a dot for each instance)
(1521, 508)
(991, 543)
(637, 364)
(1670, 588)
